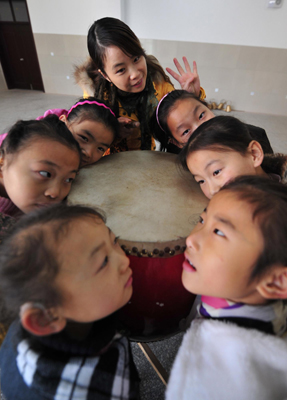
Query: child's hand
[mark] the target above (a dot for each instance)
(127, 126)
(188, 80)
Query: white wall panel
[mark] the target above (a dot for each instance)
(240, 22)
(70, 17)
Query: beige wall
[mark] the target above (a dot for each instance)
(250, 78)
(240, 46)
(57, 55)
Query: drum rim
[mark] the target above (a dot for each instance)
(153, 249)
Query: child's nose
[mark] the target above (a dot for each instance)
(124, 263)
(192, 241)
(214, 188)
(53, 191)
(194, 126)
(87, 153)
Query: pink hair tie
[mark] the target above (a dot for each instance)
(156, 113)
(91, 102)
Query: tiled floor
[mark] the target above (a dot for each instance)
(28, 104)
(20, 104)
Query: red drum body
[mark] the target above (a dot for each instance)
(152, 206)
(159, 302)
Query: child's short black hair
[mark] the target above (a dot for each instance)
(49, 127)
(268, 200)
(28, 263)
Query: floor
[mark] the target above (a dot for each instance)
(21, 104)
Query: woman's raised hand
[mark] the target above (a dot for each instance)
(189, 80)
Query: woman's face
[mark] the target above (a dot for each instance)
(186, 116)
(127, 73)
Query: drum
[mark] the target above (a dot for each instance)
(152, 205)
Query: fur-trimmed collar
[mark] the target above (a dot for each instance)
(84, 75)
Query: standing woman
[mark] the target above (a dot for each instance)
(130, 81)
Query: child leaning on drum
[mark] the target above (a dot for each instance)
(64, 273)
(223, 148)
(236, 259)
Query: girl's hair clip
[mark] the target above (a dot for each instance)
(91, 102)
(156, 113)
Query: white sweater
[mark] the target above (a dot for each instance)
(221, 361)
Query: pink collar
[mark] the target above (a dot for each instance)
(216, 302)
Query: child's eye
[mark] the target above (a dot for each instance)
(101, 149)
(104, 263)
(137, 58)
(69, 180)
(116, 239)
(84, 138)
(200, 220)
(45, 174)
(218, 232)
(185, 132)
(120, 71)
(201, 115)
(200, 182)
(216, 172)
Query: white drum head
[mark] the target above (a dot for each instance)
(145, 196)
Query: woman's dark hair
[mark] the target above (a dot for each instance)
(107, 32)
(268, 200)
(29, 264)
(51, 128)
(162, 133)
(88, 109)
(219, 133)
